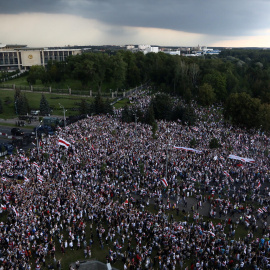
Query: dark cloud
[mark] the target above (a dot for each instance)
(223, 17)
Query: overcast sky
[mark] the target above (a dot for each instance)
(227, 23)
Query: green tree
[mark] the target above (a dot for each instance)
(84, 108)
(162, 105)
(22, 105)
(214, 143)
(218, 82)
(1, 106)
(243, 110)
(126, 115)
(189, 116)
(44, 106)
(206, 95)
(36, 73)
(99, 104)
(264, 117)
(117, 71)
(108, 108)
(149, 115)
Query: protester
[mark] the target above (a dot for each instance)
(76, 176)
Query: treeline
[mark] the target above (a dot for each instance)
(220, 79)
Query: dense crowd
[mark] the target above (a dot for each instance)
(61, 189)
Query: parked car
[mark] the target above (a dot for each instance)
(17, 132)
(35, 112)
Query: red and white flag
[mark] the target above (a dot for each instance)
(63, 142)
(4, 179)
(259, 185)
(35, 164)
(74, 196)
(15, 211)
(26, 179)
(164, 182)
(4, 207)
(260, 210)
(40, 179)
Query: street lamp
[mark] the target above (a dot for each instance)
(64, 111)
(37, 136)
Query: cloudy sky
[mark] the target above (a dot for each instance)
(226, 23)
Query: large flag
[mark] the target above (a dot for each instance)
(243, 159)
(63, 142)
(188, 149)
(164, 182)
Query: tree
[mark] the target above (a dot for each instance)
(44, 106)
(99, 104)
(206, 95)
(149, 115)
(84, 108)
(1, 106)
(36, 73)
(214, 143)
(218, 82)
(22, 105)
(108, 108)
(126, 115)
(117, 71)
(243, 110)
(162, 105)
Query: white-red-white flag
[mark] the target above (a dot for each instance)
(63, 142)
(40, 179)
(164, 182)
(15, 211)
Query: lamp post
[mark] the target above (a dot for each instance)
(37, 137)
(64, 111)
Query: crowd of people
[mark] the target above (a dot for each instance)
(106, 172)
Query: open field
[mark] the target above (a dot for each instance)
(70, 103)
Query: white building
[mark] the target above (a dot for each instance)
(21, 57)
(151, 49)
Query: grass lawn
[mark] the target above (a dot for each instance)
(121, 103)
(70, 103)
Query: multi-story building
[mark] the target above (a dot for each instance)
(21, 57)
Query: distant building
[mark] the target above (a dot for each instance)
(21, 57)
(151, 49)
(130, 47)
(172, 52)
